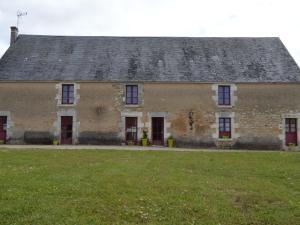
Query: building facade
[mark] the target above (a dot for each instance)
(204, 92)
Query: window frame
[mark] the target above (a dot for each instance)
(133, 99)
(225, 127)
(224, 95)
(69, 99)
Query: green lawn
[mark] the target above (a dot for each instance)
(149, 187)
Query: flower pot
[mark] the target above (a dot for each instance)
(144, 141)
(170, 143)
(291, 145)
(130, 143)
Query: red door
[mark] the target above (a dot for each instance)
(66, 130)
(3, 122)
(131, 129)
(291, 131)
(157, 130)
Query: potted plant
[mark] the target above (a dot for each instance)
(291, 145)
(1, 142)
(55, 141)
(130, 143)
(225, 137)
(170, 142)
(145, 138)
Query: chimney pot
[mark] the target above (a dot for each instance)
(13, 34)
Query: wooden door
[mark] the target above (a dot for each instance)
(66, 130)
(291, 131)
(131, 130)
(3, 124)
(157, 130)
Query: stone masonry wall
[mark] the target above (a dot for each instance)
(189, 110)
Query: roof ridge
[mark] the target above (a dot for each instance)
(175, 37)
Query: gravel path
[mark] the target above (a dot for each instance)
(116, 147)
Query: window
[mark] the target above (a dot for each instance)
(67, 94)
(224, 128)
(131, 94)
(224, 95)
(290, 125)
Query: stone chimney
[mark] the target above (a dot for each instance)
(13, 35)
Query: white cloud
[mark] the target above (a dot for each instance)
(156, 18)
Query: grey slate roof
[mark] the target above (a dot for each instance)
(174, 59)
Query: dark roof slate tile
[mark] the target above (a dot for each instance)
(158, 59)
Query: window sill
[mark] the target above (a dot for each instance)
(225, 106)
(132, 106)
(67, 105)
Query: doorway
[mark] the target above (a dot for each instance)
(3, 125)
(66, 130)
(158, 130)
(131, 130)
(291, 131)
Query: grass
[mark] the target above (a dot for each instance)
(147, 187)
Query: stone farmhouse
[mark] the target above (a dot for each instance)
(204, 92)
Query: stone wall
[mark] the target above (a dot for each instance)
(190, 113)
(32, 109)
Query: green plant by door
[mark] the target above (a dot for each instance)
(170, 142)
(145, 138)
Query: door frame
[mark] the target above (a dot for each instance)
(57, 124)
(122, 124)
(282, 136)
(136, 127)
(9, 125)
(167, 123)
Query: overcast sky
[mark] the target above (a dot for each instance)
(209, 18)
